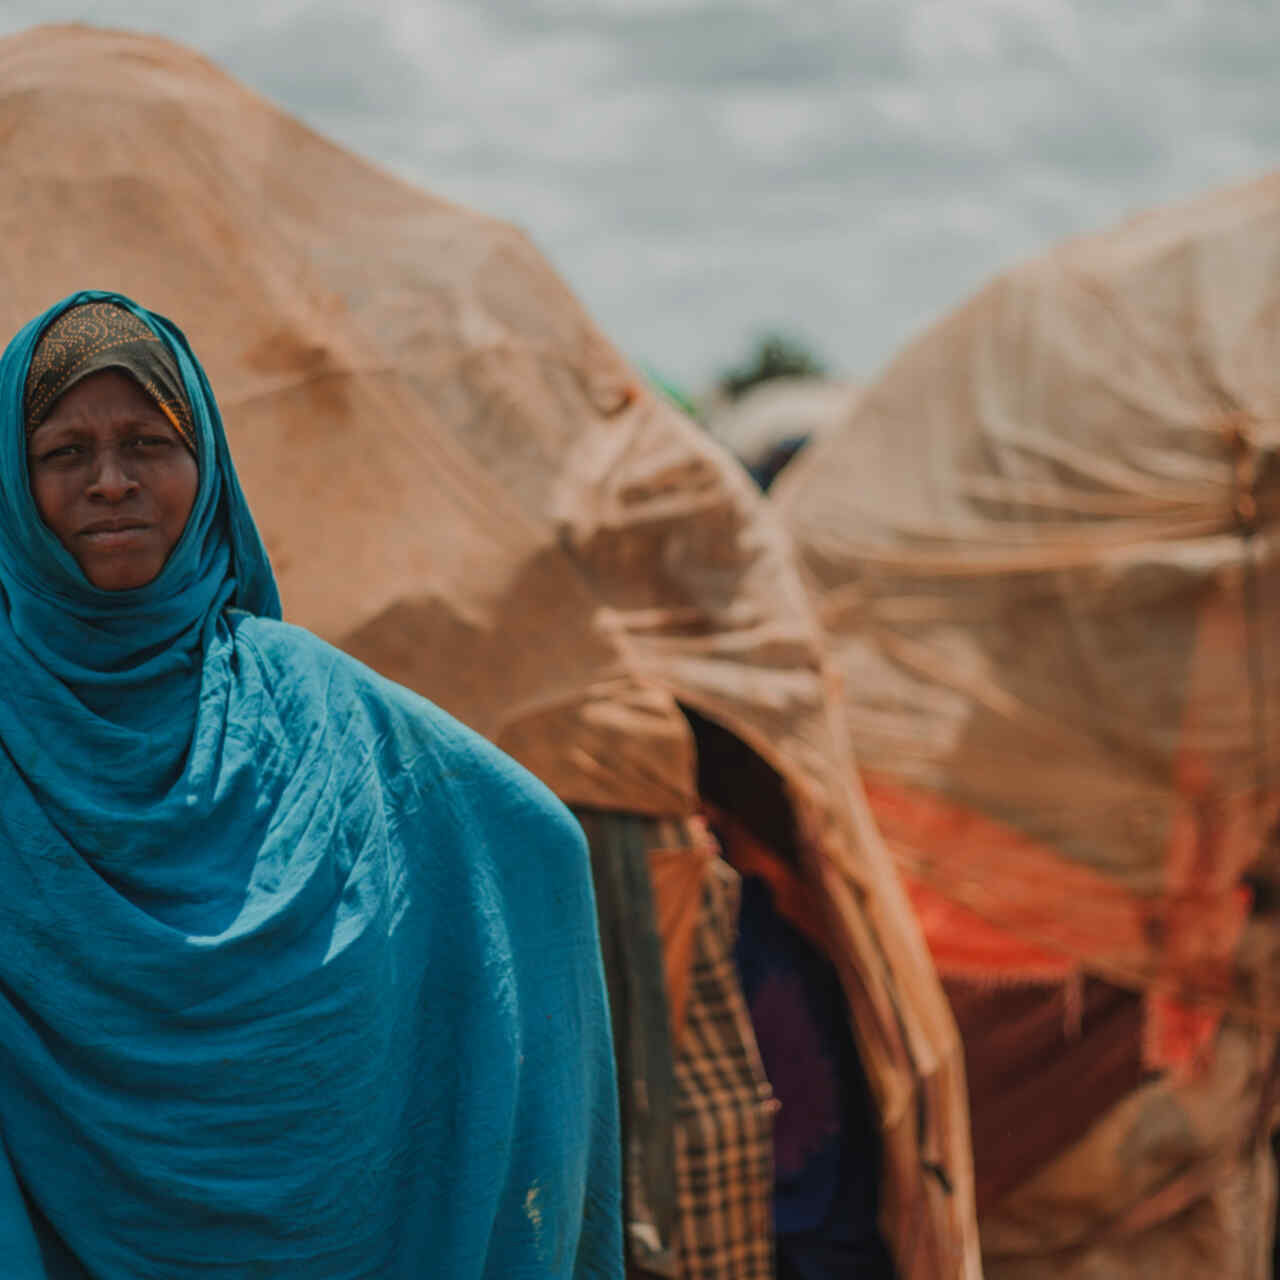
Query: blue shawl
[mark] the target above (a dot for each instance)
(298, 976)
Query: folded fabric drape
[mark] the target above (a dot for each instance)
(290, 961)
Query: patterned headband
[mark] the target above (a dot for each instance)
(103, 335)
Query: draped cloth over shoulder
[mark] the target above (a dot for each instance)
(278, 993)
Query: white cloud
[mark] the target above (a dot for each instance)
(772, 122)
(705, 170)
(993, 33)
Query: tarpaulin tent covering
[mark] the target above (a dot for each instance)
(688, 563)
(1044, 547)
(462, 482)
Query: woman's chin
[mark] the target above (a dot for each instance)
(120, 573)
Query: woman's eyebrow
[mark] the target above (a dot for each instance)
(49, 431)
(139, 417)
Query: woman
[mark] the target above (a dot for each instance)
(298, 977)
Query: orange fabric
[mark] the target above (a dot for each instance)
(678, 877)
(1003, 885)
(995, 904)
(793, 898)
(964, 945)
(1213, 840)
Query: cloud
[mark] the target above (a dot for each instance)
(705, 170)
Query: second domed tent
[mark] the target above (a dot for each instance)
(1044, 547)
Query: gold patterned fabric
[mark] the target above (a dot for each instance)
(97, 336)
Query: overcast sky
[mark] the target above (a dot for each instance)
(705, 170)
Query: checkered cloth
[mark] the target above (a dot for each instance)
(724, 1132)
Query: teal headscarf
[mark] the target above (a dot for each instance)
(113, 677)
(298, 976)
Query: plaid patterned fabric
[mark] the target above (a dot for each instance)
(725, 1107)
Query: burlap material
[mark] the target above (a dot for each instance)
(678, 877)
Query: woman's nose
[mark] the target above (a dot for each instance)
(111, 479)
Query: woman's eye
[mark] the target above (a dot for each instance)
(61, 452)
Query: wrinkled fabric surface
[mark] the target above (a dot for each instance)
(1046, 544)
(298, 976)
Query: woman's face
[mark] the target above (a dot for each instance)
(112, 480)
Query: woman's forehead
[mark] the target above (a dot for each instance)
(110, 397)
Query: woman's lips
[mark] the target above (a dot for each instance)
(107, 537)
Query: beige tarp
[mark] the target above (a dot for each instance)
(1044, 546)
(461, 481)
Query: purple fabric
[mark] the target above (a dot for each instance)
(826, 1143)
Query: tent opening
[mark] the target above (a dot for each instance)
(827, 1154)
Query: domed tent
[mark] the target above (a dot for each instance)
(462, 482)
(1045, 548)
